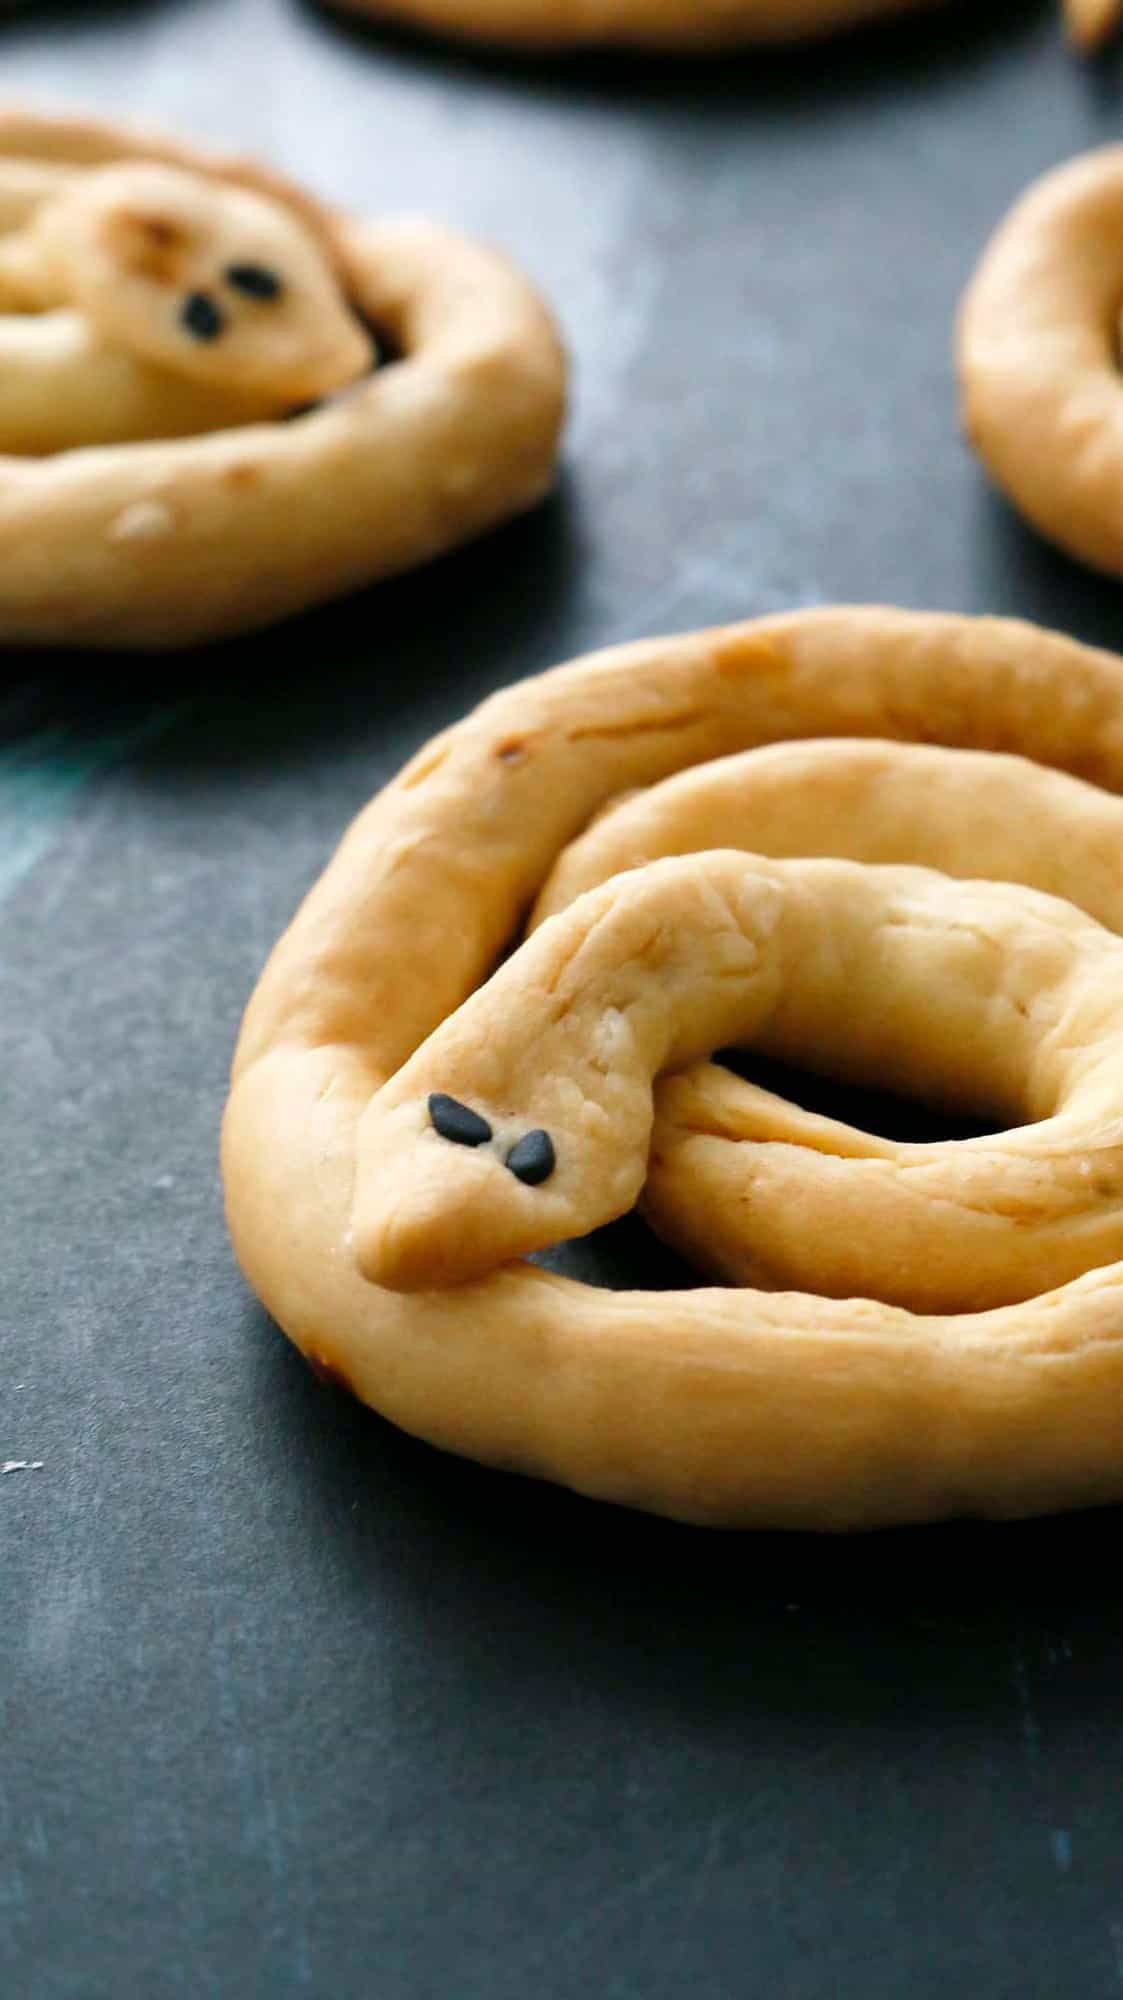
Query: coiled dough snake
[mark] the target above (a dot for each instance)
(409, 1118)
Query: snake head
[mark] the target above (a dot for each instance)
(551, 1066)
(204, 278)
(490, 1145)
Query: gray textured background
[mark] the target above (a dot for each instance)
(292, 1704)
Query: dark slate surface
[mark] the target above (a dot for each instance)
(293, 1704)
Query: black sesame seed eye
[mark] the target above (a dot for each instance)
(257, 281)
(200, 317)
(457, 1121)
(532, 1158)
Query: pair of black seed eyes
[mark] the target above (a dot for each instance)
(203, 318)
(531, 1158)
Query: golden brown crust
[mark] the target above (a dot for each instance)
(1091, 23)
(701, 26)
(51, 142)
(961, 1226)
(970, 994)
(169, 539)
(722, 1406)
(1038, 356)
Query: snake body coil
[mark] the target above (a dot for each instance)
(193, 438)
(1039, 343)
(390, 1086)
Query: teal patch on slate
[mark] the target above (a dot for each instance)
(41, 777)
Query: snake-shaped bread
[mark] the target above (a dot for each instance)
(194, 437)
(1039, 347)
(410, 1117)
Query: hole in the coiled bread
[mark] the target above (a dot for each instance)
(623, 1256)
(628, 1255)
(882, 1112)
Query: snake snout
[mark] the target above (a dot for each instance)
(426, 1229)
(443, 1196)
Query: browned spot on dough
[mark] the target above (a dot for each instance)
(513, 749)
(745, 653)
(241, 475)
(655, 725)
(147, 245)
(423, 766)
(329, 1372)
(160, 231)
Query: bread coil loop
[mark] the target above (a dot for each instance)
(746, 836)
(1038, 350)
(195, 436)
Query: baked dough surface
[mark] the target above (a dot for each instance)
(676, 24)
(193, 440)
(1039, 357)
(406, 1121)
(668, 24)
